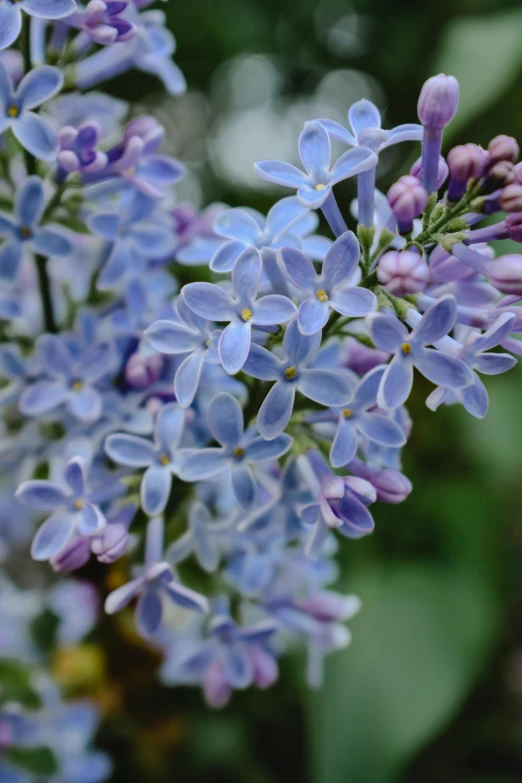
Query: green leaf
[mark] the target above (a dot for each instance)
(15, 684)
(39, 761)
(464, 54)
(419, 642)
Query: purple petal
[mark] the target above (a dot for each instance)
(396, 382)
(209, 301)
(97, 361)
(367, 388)
(276, 410)
(496, 333)
(238, 669)
(325, 387)
(225, 419)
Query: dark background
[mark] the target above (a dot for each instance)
(431, 688)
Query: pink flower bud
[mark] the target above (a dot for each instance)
(391, 486)
(403, 272)
(408, 199)
(498, 176)
(438, 101)
(442, 171)
(506, 274)
(467, 161)
(510, 199)
(141, 371)
(503, 148)
(360, 358)
(112, 544)
(72, 556)
(514, 225)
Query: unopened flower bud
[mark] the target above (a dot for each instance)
(407, 199)
(362, 488)
(506, 274)
(438, 101)
(498, 176)
(511, 198)
(403, 272)
(112, 544)
(360, 358)
(503, 148)
(72, 556)
(141, 371)
(465, 162)
(514, 226)
(328, 606)
(391, 486)
(442, 171)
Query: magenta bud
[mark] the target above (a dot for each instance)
(112, 544)
(506, 274)
(72, 556)
(514, 226)
(438, 101)
(391, 486)
(442, 171)
(467, 161)
(407, 199)
(360, 358)
(510, 199)
(141, 371)
(503, 148)
(498, 176)
(403, 272)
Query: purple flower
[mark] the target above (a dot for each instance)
(157, 580)
(409, 350)
(73, 509)
(360, 419)
(292, 373)
(23, 230)
(77, 149)
(237, 452)
(159, 457)
(72, 376)
(102, 22)
(233, 658)
(190, 335)
(11, 15)
(241, 309)
(340, 504)
(314, 187)
(474, 354)
(403, 272)
(331, 289)
(34, 133)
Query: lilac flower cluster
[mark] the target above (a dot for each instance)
(227, 435)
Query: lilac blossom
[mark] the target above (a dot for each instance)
(11, 15)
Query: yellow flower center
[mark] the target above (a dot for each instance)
(322, 296)
(290, 372)
(320, 187)
(13, 111)
(25, 232)
(164, 459)
(246, 314)
(78, 504)
(77, 386)
(406, 347)
(239, 452)
(347, 413)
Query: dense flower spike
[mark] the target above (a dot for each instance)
(139, 406)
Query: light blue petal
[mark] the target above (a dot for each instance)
(311, 198)
(52, 242)
(494, 363)
(341, 261)
(130, 450)
(436, 322)
(234, 346)
(226, 256)
(42, 396)
(149, 611)
(244, 486)
(75, 476)
(91, 521)
(338, 131)
(237, 224)
(276, 410)
(260, 450)
(49, 9)
(354, 302)
(119, 598)
(105, 225)
(281, 173)
(315, 151)
(387, 332)
(172, 338)
(273, 309)
(203, 464)
(10, 258)
(367, 388)
(225, 419)
(97, 360)
(36, 135)
(496, 333)
(299, 348)
(186, 380)
(185, 597)
(29, 204)
(475, 398)
(41, 495)
(396, 382)
(85, 404)
(38, 86)
(441, 369)
(284, 214)
(237, 666)
(316, 542)
(169, 427)
(325, 387)
(381, 430)
(118, 263)
(262, 364)
(246, 276)
(52, 536)
(155, 489)
(299, 268)
(344, 445)
(364, 114)
(153, 241)
(10, 27)
(209, 301)
(355, 161)
(313, 315)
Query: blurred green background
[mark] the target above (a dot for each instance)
(431, 688)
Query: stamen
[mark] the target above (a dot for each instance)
(246, 314)
(290, 372)
(406, 347)
(322, 296)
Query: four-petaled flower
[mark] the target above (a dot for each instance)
(314, 187)
(156, 580)
(241, 309)
(34, 133)
(24, 230)
(73, 509)
(409, 350)
(331, 289)
(159, 457)
(292, 373)
(237, 453)
(11, 15)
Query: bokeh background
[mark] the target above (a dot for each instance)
(430, 689)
